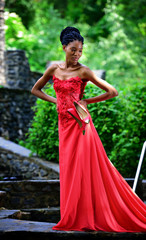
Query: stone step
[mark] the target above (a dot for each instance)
(31, 194)
(144, 189)
(19, 229)
(27, 194)
(2, 198)
(51, 214)
(14, 214)
(2, 193)
(139, 188)
(42, 193)
(15, 162)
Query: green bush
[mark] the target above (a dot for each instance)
(42, 137)
(130, 137)
(119, 122)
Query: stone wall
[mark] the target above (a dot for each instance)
(18, 73)
(16, 99)
(15, 112)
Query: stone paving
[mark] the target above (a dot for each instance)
(12, 228)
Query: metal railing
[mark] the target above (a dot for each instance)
(139, 166)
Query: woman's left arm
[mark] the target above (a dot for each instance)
(110, 90)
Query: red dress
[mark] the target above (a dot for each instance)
(93, 194)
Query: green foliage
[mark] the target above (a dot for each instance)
(24, 8)
(120, 123)
(42, 137)
(85, 11)
(121, 54)
(41, 40)
(114, 42)
(130, 137)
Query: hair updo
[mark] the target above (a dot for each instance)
(70, 34)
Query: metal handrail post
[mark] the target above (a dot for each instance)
(139, 166)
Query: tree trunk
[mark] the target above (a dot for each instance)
(2, 44)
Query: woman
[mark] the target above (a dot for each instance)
(93, 194)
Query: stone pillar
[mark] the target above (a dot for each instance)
(2, 44)
(17, 70)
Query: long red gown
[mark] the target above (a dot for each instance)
(93, 194)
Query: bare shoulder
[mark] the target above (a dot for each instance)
(51, 69)
(45, 78)
(86, 72)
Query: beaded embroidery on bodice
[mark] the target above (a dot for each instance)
(66, 92)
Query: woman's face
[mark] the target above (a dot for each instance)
(73, 51)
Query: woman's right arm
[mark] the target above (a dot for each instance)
(36, 90)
